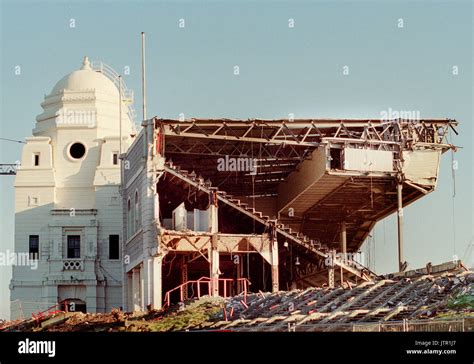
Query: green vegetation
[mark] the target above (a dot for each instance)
(191, 317)
(464, 300)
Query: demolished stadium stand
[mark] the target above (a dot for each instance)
(291, 201)
(381, 305)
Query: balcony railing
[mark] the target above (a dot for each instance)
(73, 264)
(127, 94)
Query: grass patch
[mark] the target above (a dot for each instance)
(464, 300)
(180, 320)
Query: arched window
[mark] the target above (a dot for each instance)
(137, 212)
(132, 218)
(129, 218)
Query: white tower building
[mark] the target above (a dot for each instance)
(68, 209)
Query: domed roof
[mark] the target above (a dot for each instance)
(86, 79)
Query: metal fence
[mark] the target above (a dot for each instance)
(435, 325)
(432, 325)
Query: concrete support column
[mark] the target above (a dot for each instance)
(136, 289)
(148, 282)
(343, 239)
(274, 255)
(214, 266)
(213, 251)
(142, 286)
(124, 306)
(213, 220)
(157, 283)
(129, 292)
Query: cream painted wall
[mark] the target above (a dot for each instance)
(64, 196)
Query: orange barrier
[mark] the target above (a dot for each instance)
(206, 282)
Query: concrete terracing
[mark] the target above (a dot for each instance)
(387, 303)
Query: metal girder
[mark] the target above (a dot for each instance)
(238, 149)
(196, 144)
(8, 169)
(263, 133)
(226, 243)
(311, 132)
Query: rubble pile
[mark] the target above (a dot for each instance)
(325, 309)
(424, 297)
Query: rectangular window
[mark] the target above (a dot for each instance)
(114, 247)
(36, 158)
(336, 158)
(115, 158)
(73, 246)
(34, 246)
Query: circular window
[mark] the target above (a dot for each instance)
(77, 150)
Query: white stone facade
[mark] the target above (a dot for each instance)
(142, 285)
(67, 196)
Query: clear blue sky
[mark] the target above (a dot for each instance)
(282, 70)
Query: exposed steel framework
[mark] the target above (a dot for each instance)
(280, 145)
(351, 201)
